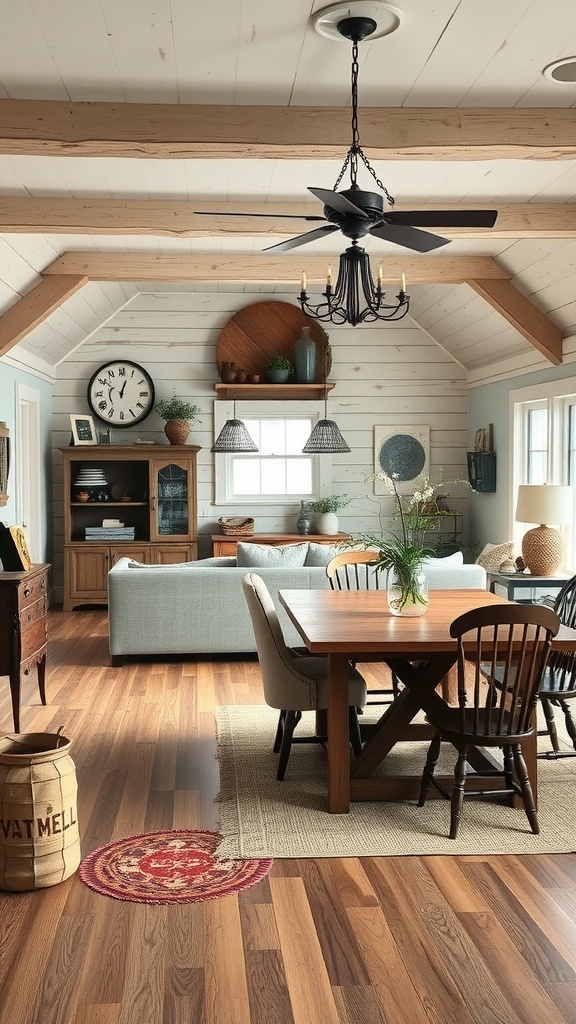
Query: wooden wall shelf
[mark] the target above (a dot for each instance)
(272, 392)
(256, 333)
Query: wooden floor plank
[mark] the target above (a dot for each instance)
(448, 940)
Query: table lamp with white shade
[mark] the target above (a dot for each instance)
(543, 547)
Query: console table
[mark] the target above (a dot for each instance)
(226, 545)
(23, 634)
(523, 587)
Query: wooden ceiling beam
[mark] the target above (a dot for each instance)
(177, 131)
(32, 309)
(74, 269)
(534, 325)
(277, 267)
(190, 219)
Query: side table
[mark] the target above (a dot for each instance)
(23, 634)
(524, 588)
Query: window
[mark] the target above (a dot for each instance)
(278, 472)
(545, 447)
(536, 447)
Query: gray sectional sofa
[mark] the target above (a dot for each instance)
(199, 607)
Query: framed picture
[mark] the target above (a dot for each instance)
(4, 462)
(83, 431)
(401, 452)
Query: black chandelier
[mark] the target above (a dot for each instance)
(355, 283)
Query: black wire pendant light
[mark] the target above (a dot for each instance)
(234, 437)
(325, 438)
(355, 283)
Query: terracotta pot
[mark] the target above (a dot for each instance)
(177, 431)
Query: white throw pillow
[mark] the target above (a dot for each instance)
(493, 555)
(321, 554)
(456, 558)
(259, 556)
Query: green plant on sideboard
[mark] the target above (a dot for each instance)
(330, 503)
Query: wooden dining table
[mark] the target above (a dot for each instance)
(358, 626)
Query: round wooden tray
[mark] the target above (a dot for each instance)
(256, 333)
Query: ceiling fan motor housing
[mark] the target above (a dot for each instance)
(370, 211)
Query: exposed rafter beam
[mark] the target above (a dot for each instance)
(184, 219)
(32, 309)
(534, 325)
(133, 266)
(55, 128)
(74, 269)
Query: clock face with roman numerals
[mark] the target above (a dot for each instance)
(121, 393)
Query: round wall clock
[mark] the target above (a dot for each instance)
(121, 393)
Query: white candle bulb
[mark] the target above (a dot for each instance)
(403, 282)
(329, 276)
(380, 276)
(303, 282)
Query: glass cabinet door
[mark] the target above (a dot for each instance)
(171, 507)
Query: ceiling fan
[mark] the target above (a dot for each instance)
(357, 213)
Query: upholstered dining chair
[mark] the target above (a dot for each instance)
(559, 680)
(502, 653)
(352, 570)
(293, 684)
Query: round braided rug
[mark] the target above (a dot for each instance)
(175, 866)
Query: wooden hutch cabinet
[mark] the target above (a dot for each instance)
(151, 489)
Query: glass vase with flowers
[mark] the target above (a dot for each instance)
(402, 556)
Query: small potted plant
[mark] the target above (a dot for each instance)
(325, 510)
(179, 415)
(278, 370)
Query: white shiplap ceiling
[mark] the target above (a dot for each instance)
(452, 53)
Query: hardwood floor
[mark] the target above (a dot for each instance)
(408, 940)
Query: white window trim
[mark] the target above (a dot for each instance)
(558, 391)
(223, 410)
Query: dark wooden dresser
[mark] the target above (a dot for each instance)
(23, 634)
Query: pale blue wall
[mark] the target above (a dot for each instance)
(489, 513)
(9, 378)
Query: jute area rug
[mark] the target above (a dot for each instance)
(260, 817)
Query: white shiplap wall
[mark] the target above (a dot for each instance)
(384, 374)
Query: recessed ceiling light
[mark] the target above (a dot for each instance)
(563, 71)
(388, 18)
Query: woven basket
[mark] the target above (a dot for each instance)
(236, 526)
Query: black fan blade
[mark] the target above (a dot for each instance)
(287, 216)
(337, 202)
(443, 218)
(412, 238)
(309, 236)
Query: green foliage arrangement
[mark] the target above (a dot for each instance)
(331, 503)
(280, 363)
(177, 409)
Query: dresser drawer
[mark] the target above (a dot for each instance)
(32, 612)
(31, 590)
(32, 638)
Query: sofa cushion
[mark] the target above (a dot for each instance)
(321, 554)
(133, 564)
(456, 558)
(259, 556)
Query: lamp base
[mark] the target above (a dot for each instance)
(543, 550)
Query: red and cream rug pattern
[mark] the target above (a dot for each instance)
(176, 866)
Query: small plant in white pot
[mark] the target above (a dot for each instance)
(179, 415)
(325, 510)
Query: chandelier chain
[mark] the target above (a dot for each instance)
(356, 150)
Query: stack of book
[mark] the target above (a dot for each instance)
(111, 529)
